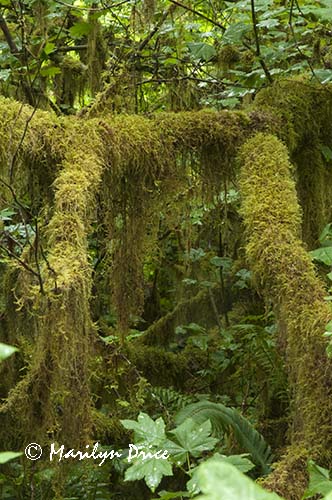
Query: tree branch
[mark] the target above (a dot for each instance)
(199, 14)
(5, 30)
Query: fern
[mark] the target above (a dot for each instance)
(170, 398)
(224, 419)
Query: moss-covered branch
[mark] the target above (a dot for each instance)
(283, 269)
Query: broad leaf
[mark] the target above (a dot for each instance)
(191, 437)
(222, 481)
(151, 470)
(5, 456)
(327, 152)
(224, 419)
(202, 51)
(239, 461)
(323, 255)
(7, 214)
(6, 351)
(80, 29)
(325, 237)
(146, 430)
(236, 32)
(319, 480)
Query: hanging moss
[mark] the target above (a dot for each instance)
(149, 159)
(284, 270)
(96, 54)
(314, 187)
(53, 397)
(71, 83)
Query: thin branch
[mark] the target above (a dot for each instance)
(298, 48)
(20, 261)
(156, 28)
(12, 45)
(258, 49)
(92, 9)
(254, 22)
(12, 165)
(69, 48)
(199, 14)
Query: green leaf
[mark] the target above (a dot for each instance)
(222, 481)
(324, 75)
(327, 152)
(202, 51)
(192, 438)
(323, 255)
(239, 461)
(50, 71)
(5, 456)
(329, 327)
(5, 74)
(224, 262)
(151, 470)
(6, 351)
(326, 235)
(194, 327)
(170, 495)
(80, 29)
(7, 214)
(321, 13)
(146, 430)
(49, 48)
(236, 32)
(319, 480)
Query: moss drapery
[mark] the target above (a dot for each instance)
(133, 164)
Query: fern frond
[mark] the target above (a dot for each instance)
(170, 398)
(224, 419)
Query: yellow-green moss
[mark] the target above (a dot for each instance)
(304, 112)
(284, 271)
(148, 162)
(53, 397)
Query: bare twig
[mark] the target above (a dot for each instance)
(258, 49)
(20, 261)
(199, 14)
(298, 48)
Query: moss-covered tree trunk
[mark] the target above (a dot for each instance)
(283, 269)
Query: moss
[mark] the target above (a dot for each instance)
(148, 161)
(290, 477)
(71, 83)
(227, 56)
(283, 269)
(196, 309)
(53, 397)
(164, 368)
(304, 112)
(314, 187)
(96, 54)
